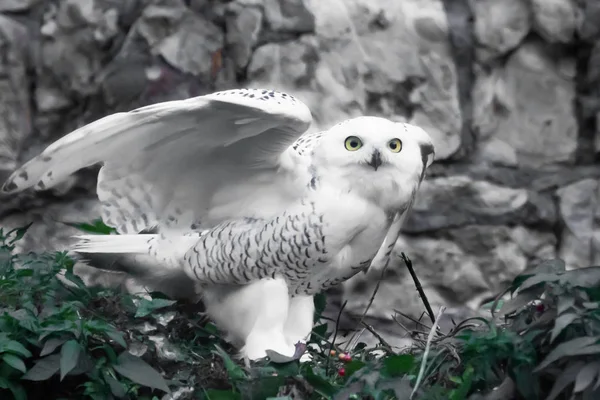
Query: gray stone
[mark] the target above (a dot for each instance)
(72, 50)
(49, 231)
(597, 137)
(589, 15)
(579, 205)
(413, 80)
(464, 267)
(497, 152)
(186, 40)
(17, 5)
(49, 97)
(243, 29)
(291, 62)
(15, 111)
(500, 26)
(289, 16)
(456, 201)
(555, 20)
(528, 105)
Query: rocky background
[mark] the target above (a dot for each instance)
(509, 90)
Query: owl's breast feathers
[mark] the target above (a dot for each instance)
(310, 246)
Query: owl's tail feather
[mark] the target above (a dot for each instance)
(131, 254)
(115, 244)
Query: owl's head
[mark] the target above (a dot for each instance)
(379, 158)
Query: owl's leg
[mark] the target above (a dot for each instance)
(299, 322)
(267, 333)
(253, 315)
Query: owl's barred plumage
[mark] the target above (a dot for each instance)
(248, 210)
(291, 245)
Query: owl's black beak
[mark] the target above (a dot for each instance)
(375, 160)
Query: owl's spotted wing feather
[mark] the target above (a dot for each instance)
(189, 162)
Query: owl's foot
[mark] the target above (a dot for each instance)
(299, 350)
(268, 344)
(299, 322)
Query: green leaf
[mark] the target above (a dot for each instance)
(50, 345)
(586, 351)
(582, 277)
(140, 372)
(401, 387)
(116, 387)
(116, 336)
(550, 266)
(146, 307)
(352, 367)
(318, 333)
(15, 362)
(44, 368)
(69, 356)
(320, 302)
(586, 376)
(561, 323)
(398, 365)
(319, 383)
(537, 280)
(564, 303)
(565, 379)
(18, 233)
(97, 226)
(214, 394)
(566, 349)
(63, 326)
(84, 365)
(261, 388)
(17, 391)
(234, 371)
(519, 301)
(13, 346)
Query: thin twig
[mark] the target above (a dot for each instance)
(412, 319)
(371, 300)
(378, 336)
(418, 285)
(335, 332)
(426, 352)
(354, 340)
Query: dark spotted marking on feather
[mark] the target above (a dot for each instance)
(258, 94)
(24, 175)
(41, 185)
(46, 159)
(9, 186)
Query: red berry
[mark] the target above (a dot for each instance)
(332, 353)
(540, 307)
(341, 372)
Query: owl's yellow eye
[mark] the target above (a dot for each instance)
(352, 143)
(395, 145)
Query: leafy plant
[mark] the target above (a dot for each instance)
(540, 340)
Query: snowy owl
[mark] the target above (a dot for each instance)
(229, 194)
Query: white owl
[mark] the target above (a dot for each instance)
(243, 206)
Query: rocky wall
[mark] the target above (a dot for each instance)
(509, 90)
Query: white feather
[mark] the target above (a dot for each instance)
(114, 244)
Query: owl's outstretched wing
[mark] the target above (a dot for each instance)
(196, 162)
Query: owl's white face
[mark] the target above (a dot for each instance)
(375, 157)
